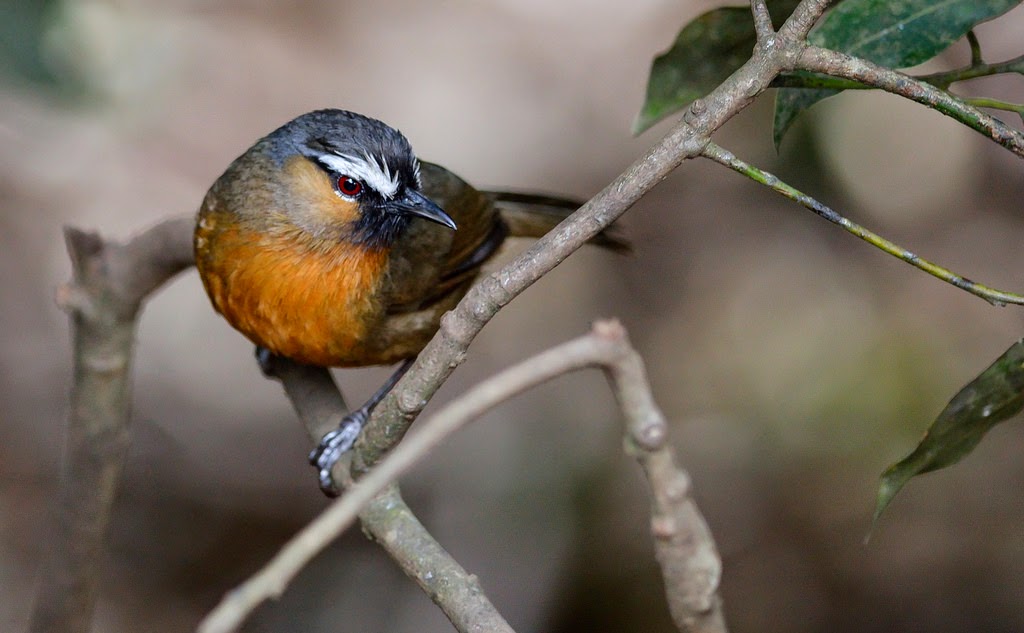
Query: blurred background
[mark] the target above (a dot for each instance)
(794, 362)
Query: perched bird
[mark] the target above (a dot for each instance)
(329, 243)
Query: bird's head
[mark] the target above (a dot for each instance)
(348, 176)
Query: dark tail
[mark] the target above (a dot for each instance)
(532, 215)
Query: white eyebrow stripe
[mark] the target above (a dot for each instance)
(375, 173)
(416, 173)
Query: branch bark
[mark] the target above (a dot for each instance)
(110, 282)
(386, 519)
(686, 139)
(684, 545)
(836, 64)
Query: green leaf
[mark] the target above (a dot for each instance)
(891, 33)
(705, 53)
(997, 394)
(23, 25)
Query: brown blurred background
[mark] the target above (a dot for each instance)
(793, 361)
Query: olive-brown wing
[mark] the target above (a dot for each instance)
(431, 261)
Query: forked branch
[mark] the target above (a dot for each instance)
(684, 545)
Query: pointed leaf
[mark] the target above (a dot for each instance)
(705, 53)
(891, 33)
(997, 394)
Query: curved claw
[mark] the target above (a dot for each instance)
(333, 446)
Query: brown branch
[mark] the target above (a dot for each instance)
(686, 551)
(109, 283)
(446, 350)
(836, 64)
(683, 544)
(386, 519)
(803, 18)
(686, 140)
(762, 20)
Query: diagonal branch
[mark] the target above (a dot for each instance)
(975, 69)
(110, 283)
(728, 159)
(684, 545)
(838, 64)
(386, 519)
(686, 139)
(103, 332)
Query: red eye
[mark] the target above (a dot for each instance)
(349, 186)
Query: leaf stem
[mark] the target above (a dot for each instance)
(976, 69)
(728, 159)
(995, 104)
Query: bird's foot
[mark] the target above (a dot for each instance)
(333, 446)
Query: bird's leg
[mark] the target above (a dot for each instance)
(265, 359)
(339, 441)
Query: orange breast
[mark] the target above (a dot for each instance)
(313, 302)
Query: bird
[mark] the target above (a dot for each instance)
(328, 242)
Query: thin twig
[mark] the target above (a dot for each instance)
(975, 70)
(109, 284)
(993, 296)
(685, 548)
(995, 104)
(972, 41)
(842, 65)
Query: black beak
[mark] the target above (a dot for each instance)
(415, 203)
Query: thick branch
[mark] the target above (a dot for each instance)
(686, 140)
(386, 519)
(684, 544)
(109, 284)
(105, 368)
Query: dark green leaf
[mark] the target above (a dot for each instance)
(23, 24)
(891, 33)
(705, 53)
(994, 396)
